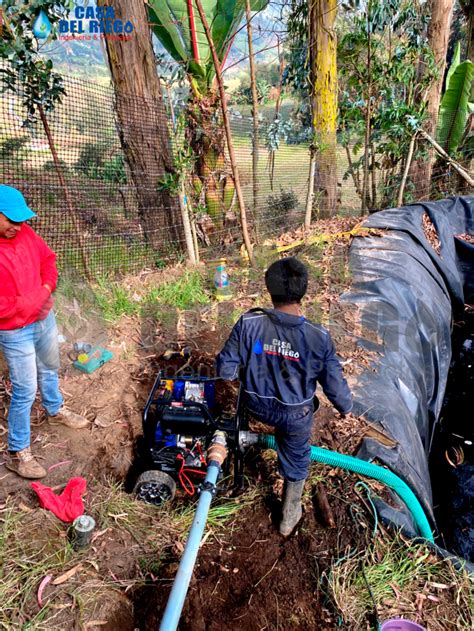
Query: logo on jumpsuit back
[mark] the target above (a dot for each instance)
(282, 349)
(258, 347)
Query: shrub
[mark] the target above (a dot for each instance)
(114, 170)
(51, 166)
(93, 162)
(11, 147)
(91, 159)
(281, 203)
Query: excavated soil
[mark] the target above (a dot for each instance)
(252, 578)
(247, 576)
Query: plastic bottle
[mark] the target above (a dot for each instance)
(221, 281)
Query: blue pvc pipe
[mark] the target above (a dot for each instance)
(185, 571)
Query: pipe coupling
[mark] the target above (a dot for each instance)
(217, 450)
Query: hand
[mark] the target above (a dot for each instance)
(48, 287)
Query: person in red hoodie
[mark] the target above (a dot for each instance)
(28, 332)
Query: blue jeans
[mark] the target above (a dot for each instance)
(32, 355)
(292, 435)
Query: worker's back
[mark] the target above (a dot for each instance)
(280, 357)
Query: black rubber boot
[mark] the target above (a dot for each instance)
(292, 510)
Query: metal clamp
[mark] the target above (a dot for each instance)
(208, 486)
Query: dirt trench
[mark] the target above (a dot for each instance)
(247, 576)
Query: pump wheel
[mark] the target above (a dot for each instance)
(155, 487)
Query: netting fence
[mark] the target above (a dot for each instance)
(124, 221)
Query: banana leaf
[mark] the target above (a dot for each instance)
(454, 108)
(171, 22)
(456, 60)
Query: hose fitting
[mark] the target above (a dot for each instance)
(246, 439)
(217, 450)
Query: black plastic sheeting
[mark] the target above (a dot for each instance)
(408, 295)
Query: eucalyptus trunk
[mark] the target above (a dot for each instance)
(438, 36)
(368, 120)
(322, 42)
(143, 124)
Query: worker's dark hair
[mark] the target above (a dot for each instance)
(287, 281)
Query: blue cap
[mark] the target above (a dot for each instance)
(13, 204)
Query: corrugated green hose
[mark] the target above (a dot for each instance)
(349, 463)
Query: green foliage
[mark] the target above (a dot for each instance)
(50, 166)
(387, 90)
(170, 22)
(114, 170)
(296, 74)
(454, 107)
(280, 204)
(19, 48)
(11, 148)
(275, 132)
(183, 293)
(93, 162)
(91, 159)
(183, 160)
(114, 300)
(243, 95)
(171, 183)
(391, 565)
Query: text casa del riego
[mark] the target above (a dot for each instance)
(95, 20)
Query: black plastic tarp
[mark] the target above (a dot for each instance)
(408, 294)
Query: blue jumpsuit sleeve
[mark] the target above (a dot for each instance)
(333, 382)
(229, 360)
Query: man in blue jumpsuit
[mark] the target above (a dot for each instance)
(279, 356)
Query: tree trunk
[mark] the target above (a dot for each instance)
(373, 179)
(322, 42)
(438, 36)
(468, 10)
(467, 7)
(310, 193)
(253, 86)
(368, 120)
(405, 171)
(143, 123)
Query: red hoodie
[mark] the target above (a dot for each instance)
(26, 264)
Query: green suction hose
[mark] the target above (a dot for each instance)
(349, 463)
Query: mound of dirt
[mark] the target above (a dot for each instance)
(252, 578)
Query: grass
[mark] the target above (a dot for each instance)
(115, 300)
(33, 544)
(28, 552)
(406, 580)
(184, 292)
(157, 527)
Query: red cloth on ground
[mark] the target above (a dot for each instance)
(66, 506)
